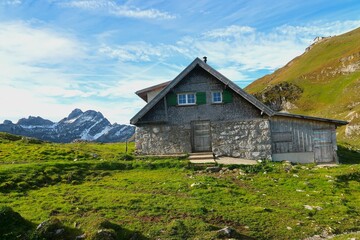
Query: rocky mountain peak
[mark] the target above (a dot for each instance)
(34, 121)
(75, 113)
(7, 122)
(93, 114)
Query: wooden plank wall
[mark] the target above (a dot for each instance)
(294, 135)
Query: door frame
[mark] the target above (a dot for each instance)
(193, 123)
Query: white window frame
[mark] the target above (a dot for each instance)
(212, 97)
(186, 99)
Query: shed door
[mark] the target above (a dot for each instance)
(201, 136)
(323, 148)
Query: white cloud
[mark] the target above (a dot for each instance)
(230, 31)
(20, 42)
(245, 52)
(41, 74)
(31, 58)
(242, 47)
(233, 73)
(112, 8)
(30, 74)
(10, 2)
(140, 52)
(323, 29)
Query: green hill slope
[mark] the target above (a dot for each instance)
(329, 75)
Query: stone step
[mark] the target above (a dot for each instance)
(200, 153)
(202, 161)
(198, 157)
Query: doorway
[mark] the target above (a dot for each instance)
(201, 136)
(323, 146)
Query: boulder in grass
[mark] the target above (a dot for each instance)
(105, 234)
(226, 232)
(213, 169)
(50, 229)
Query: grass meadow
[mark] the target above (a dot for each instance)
(98, 191)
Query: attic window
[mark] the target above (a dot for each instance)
(186, 98)
(216, 97)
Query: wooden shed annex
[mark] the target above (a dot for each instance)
(203, 111)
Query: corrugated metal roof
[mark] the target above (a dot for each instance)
(337, 122)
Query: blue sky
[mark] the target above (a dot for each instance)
(57, 55)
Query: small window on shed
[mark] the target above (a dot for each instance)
(216, 97)
(282, 136)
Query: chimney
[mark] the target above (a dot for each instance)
(205, 59)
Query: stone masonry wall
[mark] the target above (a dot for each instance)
(163, 139)
(242, 139)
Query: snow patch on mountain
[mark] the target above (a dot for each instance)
(103, 132)
(89, 125)
(72, 120)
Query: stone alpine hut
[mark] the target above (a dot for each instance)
(203, 111)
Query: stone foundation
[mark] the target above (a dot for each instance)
(163, 139)
(242, 139)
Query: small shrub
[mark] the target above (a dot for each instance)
(104, 234)
(31, 140)
(179, 229)
(9, 185)
(23, 185)
(104, 174)
(55, 178)
(102, 229)
(41, 180)
(126, 157)
(264, 166)
(111, 166)
(49, 170)
(74, 176)
(75, 182)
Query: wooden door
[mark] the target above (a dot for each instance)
(201, 136)
(323, 147)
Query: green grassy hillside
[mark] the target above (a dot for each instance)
(329, 74)
(117, 196)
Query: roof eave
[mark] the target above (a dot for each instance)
(335, 121)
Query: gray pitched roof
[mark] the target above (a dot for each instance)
(198, 62)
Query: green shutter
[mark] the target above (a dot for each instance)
(227, 96)
(171, 99)
(201, 98)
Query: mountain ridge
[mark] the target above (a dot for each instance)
(328, 73)
(78, 125)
